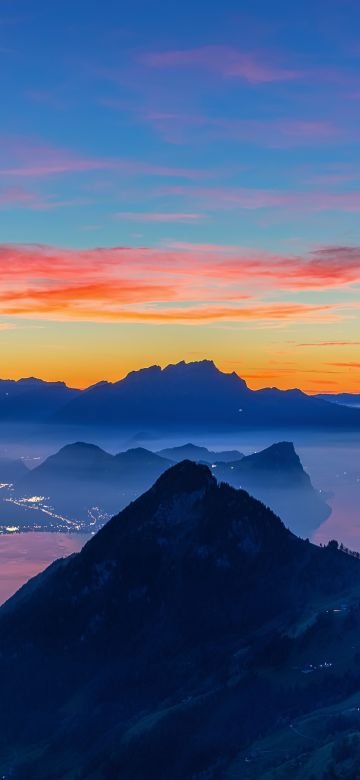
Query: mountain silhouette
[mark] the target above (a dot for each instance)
(150, 653)
(82, 476)
(344, 399)
(183, 396)
(198, 395)
(276, 477)
(32, 399)
(199, 454)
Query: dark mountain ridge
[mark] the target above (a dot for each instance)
(199, 395)
(345, 399)
(31, 399)
(193, 452)
(195, 396)
(137, 656)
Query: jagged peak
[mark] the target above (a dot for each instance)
(200, 368)
(206, 365)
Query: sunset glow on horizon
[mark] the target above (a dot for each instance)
(171, 191)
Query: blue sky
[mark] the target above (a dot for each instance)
(199, 136)
(76, 82)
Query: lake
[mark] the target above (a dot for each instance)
(24, 555)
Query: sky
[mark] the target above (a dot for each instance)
(181, 181)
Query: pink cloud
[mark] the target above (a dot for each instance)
(137, 216)
(259, 198)
(179, 127)
(19, 197)
(23, 158)
(225, 61)
(188, 246)
(332, 174)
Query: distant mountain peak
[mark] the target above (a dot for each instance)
(200, 368)
(197, 364)
(198, 395)
(80, 450)
(80, 445)
(190, 451)
(282, 453)
(36, 382)
(285, 447)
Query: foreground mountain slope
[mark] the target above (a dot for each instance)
(147, 654)
(198, 395)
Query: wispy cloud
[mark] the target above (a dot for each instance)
(155, 216)
(226, 61)
(21, 198)
(7, 326)
(253, 198)
(329, 344)
(286, 132)
(345, 365)
(26, 158)
(18, 196)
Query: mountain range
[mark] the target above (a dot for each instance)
(87, 485)
(179, 638)
(191, 451)
(32, 400)
(344, 399)
(186, 395)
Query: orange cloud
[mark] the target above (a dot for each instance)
(345, 365)
(173, 284)
(329, 344)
